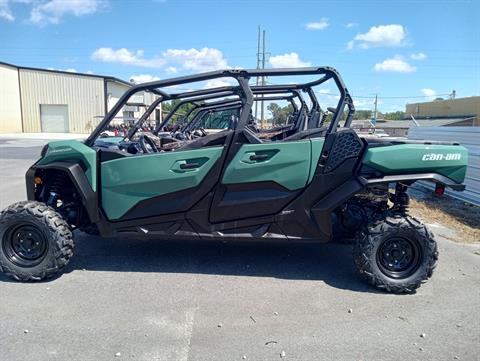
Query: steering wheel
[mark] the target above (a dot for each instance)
(147, 144)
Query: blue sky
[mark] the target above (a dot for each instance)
(400, 50)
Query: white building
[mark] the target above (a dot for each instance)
(40, 100)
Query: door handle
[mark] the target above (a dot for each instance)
(259, 157)
(189, 165)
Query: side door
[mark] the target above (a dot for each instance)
(160, 183)
(261, 179)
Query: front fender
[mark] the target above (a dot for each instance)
(79, 179)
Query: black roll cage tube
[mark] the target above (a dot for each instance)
(232, 92)
(242, 77)
(231, 103)
(194, 101)
(201, 114)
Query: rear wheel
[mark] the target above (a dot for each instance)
(396, 254)
(36, 242)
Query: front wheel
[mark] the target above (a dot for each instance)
(396, 254)
(36, 242)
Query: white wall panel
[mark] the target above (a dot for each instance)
(10, 110)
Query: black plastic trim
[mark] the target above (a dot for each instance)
(79, 180)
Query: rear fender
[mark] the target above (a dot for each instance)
(439, 163)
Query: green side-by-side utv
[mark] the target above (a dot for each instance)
(311, 179)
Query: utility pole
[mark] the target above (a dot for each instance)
(263, 83)
(375, 112)
(261, 60)
(258, 67)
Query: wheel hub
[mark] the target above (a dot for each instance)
(398, 257)
(25, 245)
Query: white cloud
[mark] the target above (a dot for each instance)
(396, 64)
(291, 60)
(418, 56)
(171, 70)
(318, 25)
(324, 91)
(364, 103)
(195, 60)
(90, 72)
(430, 93)
(51, 12)
(71, 70)
(143, 78)
(127, 57)
(5, 11)
(380, 36)
(351, 25)
(204, 59)
(217, 83)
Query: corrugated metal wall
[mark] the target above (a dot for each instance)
(84, 95)
(469, 137)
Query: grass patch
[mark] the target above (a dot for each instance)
(462, 217)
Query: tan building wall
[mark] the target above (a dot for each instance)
(10, 108)
(115, 90)
(460, 107)
(84, 96)
(114, 93)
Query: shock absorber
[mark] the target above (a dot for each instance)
(401, 199)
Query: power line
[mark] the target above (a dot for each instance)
(398, 97)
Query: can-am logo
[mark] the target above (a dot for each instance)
(440, 156)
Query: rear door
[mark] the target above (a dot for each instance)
(263, 178)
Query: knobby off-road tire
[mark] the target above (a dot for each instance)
(36, 243)
(378, 254)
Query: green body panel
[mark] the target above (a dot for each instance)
(73, 150)
(288, 164)
(127, 181)
(317, 146)
(448, 160)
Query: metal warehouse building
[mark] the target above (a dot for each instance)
(39, 100)
(466, 108)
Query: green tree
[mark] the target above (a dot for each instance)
(180, 112)
(362, 114)
(398, 115)
(279, 114)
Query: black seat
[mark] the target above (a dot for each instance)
(308, 133)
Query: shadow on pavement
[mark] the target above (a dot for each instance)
(330, 263)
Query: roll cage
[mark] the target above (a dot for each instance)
(244, 91)
(206, 108)
(200, 103)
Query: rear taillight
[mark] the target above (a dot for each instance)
(439, 189)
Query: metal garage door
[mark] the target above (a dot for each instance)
(54, 118)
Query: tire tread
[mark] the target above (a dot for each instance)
(59, 231)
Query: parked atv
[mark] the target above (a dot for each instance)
(310, 181)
